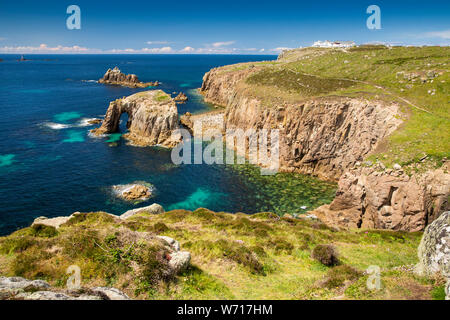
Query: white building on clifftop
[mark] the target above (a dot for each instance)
(334, 44)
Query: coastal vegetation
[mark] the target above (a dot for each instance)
(234, 256)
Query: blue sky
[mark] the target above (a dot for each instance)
(251, 27)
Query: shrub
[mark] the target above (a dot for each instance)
(160, 227)
(40, 230)
(326, 254)
(337, 276)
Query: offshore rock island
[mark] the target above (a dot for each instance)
(152, 117)
(116, 77)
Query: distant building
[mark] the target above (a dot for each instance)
(334, 44)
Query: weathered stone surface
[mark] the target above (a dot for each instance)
(22, 283)
(51, 222)
(434, 248)
(174, 244)
(154, 209)
(367, 198)
(115, 77)
(152, 118)
(17, 288)
(136, 192)
(110, 293)
(179, 260)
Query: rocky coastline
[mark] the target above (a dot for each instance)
(330, 137)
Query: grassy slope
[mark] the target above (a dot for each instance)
(375, 73)
(233, 256)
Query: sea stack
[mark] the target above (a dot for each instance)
(152, 117)
(116, 77)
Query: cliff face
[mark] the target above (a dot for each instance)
(115, 77)
(152, 117)
(367, 198)
(329, 138)
(322, 137)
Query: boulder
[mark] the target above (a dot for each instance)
(174, 244)
(179, 261)
(434, 248)
(153, 209)
(22, 283)
(110, 293)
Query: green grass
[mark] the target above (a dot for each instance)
(234, 256)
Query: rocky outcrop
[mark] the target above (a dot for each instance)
(153, 209)
(390, 199)
(136, 192)
(152, 118)
(17, 288)
(321, 137)
(116, 77)
(181, 97)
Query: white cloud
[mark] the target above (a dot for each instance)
(280, 49)
(222, 44)
(188, 50)
(157, 42)
(445, 34)
(43, 48)
(143, 50)
(209, 49)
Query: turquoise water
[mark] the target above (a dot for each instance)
(51, 166)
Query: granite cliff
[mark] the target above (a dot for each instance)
(152, 117)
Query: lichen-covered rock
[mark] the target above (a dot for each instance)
(179, 261)
(152, 118)
(23, 284)
(116, 77)
(434, 249)
(110, 293)
(17, 288)
(174, 244)
(153, 209)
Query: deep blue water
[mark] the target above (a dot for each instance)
(53, 172)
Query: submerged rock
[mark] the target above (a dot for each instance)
(152, 119)
(116, 77)
(181, 97)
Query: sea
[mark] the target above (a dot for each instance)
(50, 166)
